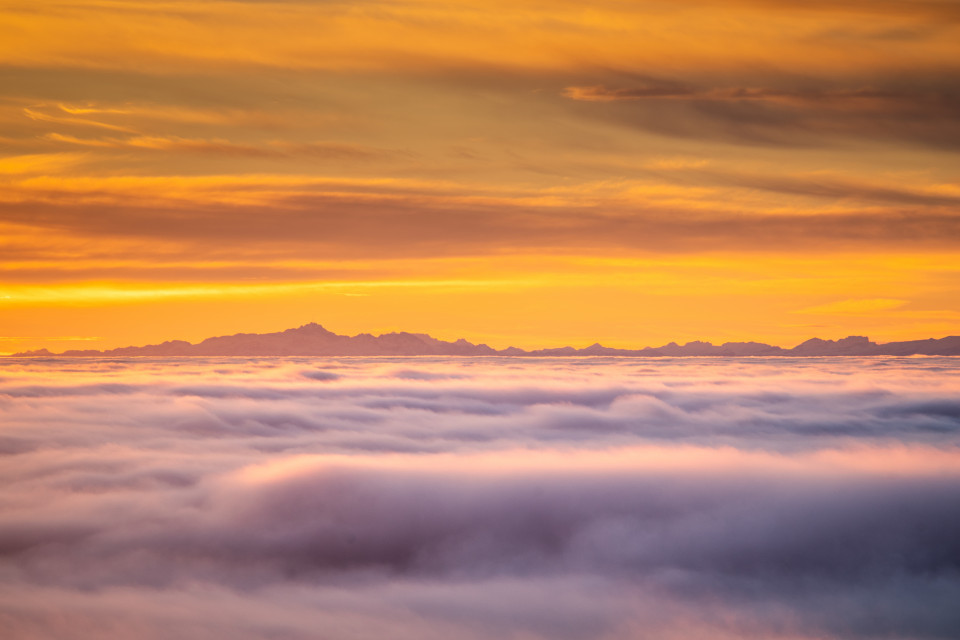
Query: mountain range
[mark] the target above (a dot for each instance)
(313, 340)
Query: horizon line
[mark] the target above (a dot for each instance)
(511, 350)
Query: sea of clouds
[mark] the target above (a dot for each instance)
(422, 498)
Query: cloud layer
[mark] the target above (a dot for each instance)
(422, 498)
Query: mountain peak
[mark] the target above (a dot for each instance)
(310, 327)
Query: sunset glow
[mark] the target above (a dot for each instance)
(479, 319)
(516, 172)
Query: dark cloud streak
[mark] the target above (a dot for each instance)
(430, 225)
(787, 111)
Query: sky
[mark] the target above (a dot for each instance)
(527, 173)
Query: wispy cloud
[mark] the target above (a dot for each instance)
(401, 217)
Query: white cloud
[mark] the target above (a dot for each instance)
(479, 498)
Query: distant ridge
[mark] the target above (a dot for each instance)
(313, 340)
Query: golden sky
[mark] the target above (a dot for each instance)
(523, 172)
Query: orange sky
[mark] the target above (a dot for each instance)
(529, 173)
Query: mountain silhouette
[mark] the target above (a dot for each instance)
(313, 340)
